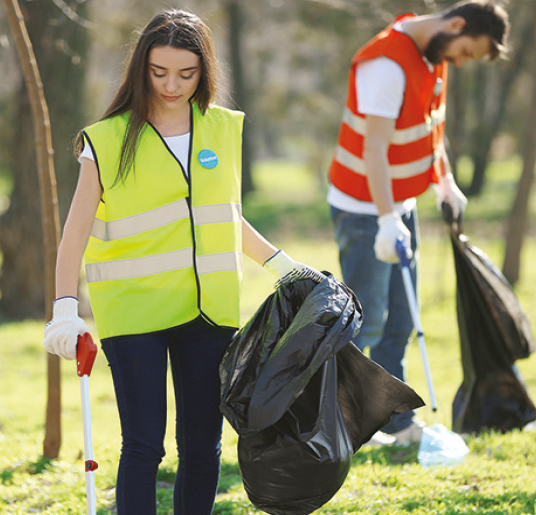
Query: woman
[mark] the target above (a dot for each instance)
(158, 207)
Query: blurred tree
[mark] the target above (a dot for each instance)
(519, 213)
(59, 41)
(479, 97)
(298, 56)
(49, 209)
(240, 94)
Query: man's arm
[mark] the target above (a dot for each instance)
(447, 190)
(379, 132)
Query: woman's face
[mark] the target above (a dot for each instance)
(174, 74)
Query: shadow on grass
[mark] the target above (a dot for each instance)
(387, 455)
(229, 477)
(466, 501)
(32, 468)
(234, 508)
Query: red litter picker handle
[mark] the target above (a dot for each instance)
(86, 351)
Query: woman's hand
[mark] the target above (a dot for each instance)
(285, 268)
(61, 333)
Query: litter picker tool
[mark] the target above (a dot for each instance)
(438, 445)
(402, 252)
(85, 357)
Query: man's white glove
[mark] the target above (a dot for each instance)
(61, 333)
(390, 228)
(284, 267)
(447, 191)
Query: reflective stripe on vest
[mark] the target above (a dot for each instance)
(160, 216)
(160, 263)
(405, 171)
(401, 136)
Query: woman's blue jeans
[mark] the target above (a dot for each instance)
(387, 323)
(139, 365)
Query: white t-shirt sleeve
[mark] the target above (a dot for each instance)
(380, 85)
(179, 145)
(87, 152)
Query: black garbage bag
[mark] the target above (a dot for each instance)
(368, 395)
(298, 393)
(299, 463)
(494, 333)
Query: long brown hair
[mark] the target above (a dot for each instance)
(175, 28)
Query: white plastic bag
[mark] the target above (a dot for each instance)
(440, 446)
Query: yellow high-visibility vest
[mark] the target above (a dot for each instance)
(166, 246)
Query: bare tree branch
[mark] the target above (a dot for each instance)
(73, 16)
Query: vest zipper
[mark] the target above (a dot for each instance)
(188, 178)
(192, 222)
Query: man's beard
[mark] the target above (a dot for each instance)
(435, 51)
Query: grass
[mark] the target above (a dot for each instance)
(496, 478)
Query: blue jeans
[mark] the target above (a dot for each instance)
(139, 370)
(387, 323)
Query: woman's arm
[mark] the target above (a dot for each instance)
(77, 229)
(275, 261)
(255, 245)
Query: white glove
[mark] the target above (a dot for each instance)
(61, 333)
(390, 228)
(284, 267)
(447, 191)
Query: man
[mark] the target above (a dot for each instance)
(390, 149)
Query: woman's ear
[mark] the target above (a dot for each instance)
(455, 25)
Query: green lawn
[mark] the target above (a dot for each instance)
(497, 477)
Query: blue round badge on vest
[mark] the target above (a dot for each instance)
(208, 158)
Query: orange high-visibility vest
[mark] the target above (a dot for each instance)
(414, 150)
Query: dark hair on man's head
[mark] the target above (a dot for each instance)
(483, 18)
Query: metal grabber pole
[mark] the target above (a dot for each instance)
(86, 352)
(402, 252)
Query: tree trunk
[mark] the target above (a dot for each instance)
(59, 44)
(519, 214)
(490, 126)
(49, 209)
(454, 124)
(235, 15)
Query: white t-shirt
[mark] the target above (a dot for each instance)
(380, 85)
(179, 145)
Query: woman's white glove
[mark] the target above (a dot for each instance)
(447, 191)
(390, 229)
(285, 268)
(61, 333)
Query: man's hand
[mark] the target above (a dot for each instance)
(390, 228)
(447, 191)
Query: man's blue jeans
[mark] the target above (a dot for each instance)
(387, 323)
(139, 365)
